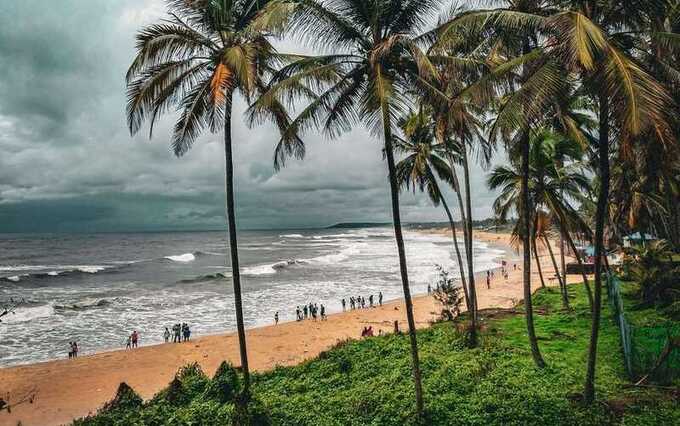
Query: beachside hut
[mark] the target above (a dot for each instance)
(638, 239)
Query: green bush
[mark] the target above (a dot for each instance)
(225, 385)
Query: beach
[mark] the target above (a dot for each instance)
(68, 389)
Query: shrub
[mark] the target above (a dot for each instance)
(225, 385)
(125, 399)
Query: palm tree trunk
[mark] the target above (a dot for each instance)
(570, 242)
(455, 244)
(538, 262)
(563, 261)
(563, 284)
(233, 244)
(600, 217)
(396, 216)
(470, 251)
(526, 242)
(461, 207)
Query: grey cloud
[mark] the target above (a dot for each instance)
(68, 162)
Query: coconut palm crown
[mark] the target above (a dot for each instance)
(196, 60)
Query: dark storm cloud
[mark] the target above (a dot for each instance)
(68, 163)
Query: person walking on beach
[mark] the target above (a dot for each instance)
(304, 311)
(276, 318)
(370, 300)
(429, 289)
(135, 339)
(380, 297)
(488, 281)
(166, 335)
(352, 305)
(187, 332)
(128, 345)
(323, 313)
(343, 305)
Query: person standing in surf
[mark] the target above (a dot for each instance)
(166, 335)
(135, 339)
(276, 318)
(380, 298)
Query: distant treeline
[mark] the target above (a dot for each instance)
(489, 223)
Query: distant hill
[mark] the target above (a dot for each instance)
(356, 225)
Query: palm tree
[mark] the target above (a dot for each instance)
(458, 130)
(420, 168)
(589, 50)
(373, 60)
(197, 59)
(550, 186)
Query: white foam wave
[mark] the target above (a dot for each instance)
(14, 278)
(186, 257)
(270, 268)
(24, 314)
(90, 269)
(85, 304)
(351, 249)
(291, 236)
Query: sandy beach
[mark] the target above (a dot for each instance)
(67, 389)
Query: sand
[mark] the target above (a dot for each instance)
(68, 389)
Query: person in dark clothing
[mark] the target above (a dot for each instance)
(380, 298)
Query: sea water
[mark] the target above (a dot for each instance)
(96, 289)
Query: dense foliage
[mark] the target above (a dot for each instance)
(653, 267)
(368, 382)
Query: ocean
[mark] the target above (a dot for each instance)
(96, 289)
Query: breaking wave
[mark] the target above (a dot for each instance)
(54, 271)
(183, 258)
(29, 313)
(270, 268)
(208, 277)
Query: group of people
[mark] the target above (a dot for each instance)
(359, 302)
(73, 352)
(180, 333)
(311, 311)
(132, 340)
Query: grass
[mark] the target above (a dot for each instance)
(650, 329)
(369, 382)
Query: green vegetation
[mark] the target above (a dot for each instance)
(369, 382)
(650, 330)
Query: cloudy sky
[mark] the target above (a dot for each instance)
(68, 163)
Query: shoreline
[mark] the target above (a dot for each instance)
(67, 389)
